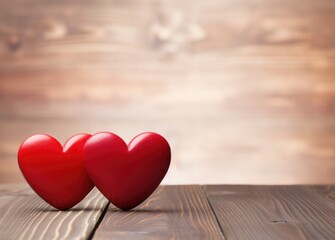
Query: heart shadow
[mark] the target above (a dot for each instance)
(110, 210)
(143, 210)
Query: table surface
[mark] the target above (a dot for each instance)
(177, 212)
(243, 89)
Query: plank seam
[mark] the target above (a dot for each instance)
(213, 212)
(96, 226)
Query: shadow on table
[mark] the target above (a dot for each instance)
(113, 209)
(116, 210)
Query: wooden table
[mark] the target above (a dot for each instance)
(177, 212)
(243, 90)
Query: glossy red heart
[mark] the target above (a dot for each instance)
(57, 174)
(127, 174)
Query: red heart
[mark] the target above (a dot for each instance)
(127, 175)
(57, 174)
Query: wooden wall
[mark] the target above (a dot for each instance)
(244, 90)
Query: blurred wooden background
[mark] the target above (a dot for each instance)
(244, 90)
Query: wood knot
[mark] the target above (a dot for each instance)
(14, 42)
(279, 221)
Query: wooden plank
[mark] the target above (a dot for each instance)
(274, 212)
(23, 215)
(251, 81)
(172, 212)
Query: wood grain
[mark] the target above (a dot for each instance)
(23, 215)
(172, 212)
(274, 212)
(243, 90)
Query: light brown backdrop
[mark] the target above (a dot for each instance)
(243, 90)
